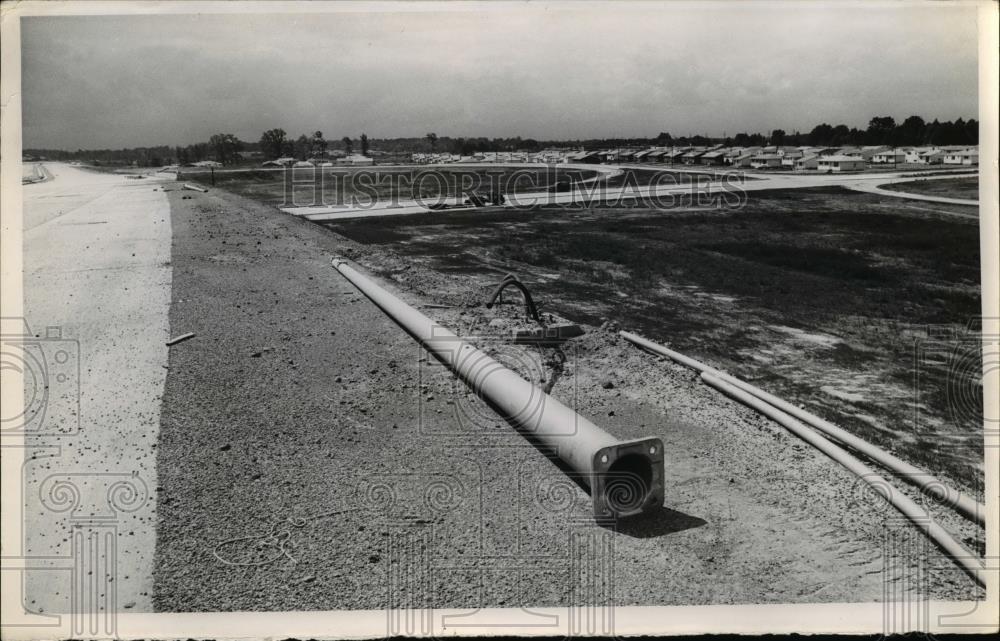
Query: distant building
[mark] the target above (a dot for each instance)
(716, 157)
(691, 157)
(765, 161)
(841, 163)
(674, 155)
(357, 160)
(742, 160)
(889, 157)
(964, 157)
(914, 154)
(933, 157)
(810, 161)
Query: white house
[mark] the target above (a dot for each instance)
(913, 154)
(840, 163)
(964, 157)
(810, 161)
(355, 160)
(868, 152)
(765, 161)
(932, 157)
(888, 157)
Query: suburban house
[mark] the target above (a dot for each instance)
(766, 161)
(932, 157)
(717, 157)
(278, 162)
(964, 157)
(869, 151)
(790, 152)
(810, 161)
(359, 160)
(913, 154)
(674, 155)
(692, 156)
(586, 157)
(840, 163)
(889, 156)
(743, 160)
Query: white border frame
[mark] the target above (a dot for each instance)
(848, 618)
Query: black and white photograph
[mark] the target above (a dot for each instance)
(554, 318)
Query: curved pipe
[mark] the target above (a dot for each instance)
(930, 485)
(529, 303)
(966, 559)
(625, 478)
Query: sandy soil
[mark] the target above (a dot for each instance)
(312, 457)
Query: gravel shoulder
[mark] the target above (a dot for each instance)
(311, 457)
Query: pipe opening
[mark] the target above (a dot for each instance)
(629, 483)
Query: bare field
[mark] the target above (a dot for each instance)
(302, 428)
(967, 188)
(309, 186)
(854, 305)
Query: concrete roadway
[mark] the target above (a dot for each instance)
(97, 266)
(594, 192)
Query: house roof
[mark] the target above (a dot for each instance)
(842, 158)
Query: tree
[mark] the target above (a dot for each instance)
(318, 144)
(303, 145)
(226, 147)
(348, 144)
(778, 137)
(880, 129)
(911, 132)
(364, 144)
(432, 138)
(273, 143)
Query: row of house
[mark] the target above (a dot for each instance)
(353, 160)
(774, 157)
(797, 158)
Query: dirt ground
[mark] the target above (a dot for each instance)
(311, 456)
(854, 305)
(310, 186)
(967, 188)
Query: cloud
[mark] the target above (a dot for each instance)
(530, 70)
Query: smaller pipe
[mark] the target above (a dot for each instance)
(928, 484)
(529, 303)
(966, 559)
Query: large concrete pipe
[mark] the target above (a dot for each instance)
(920, 518)
(625, 478)
(929, 484)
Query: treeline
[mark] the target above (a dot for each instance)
(275, 143)
(882, 130)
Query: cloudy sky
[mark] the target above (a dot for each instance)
(547, 71)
